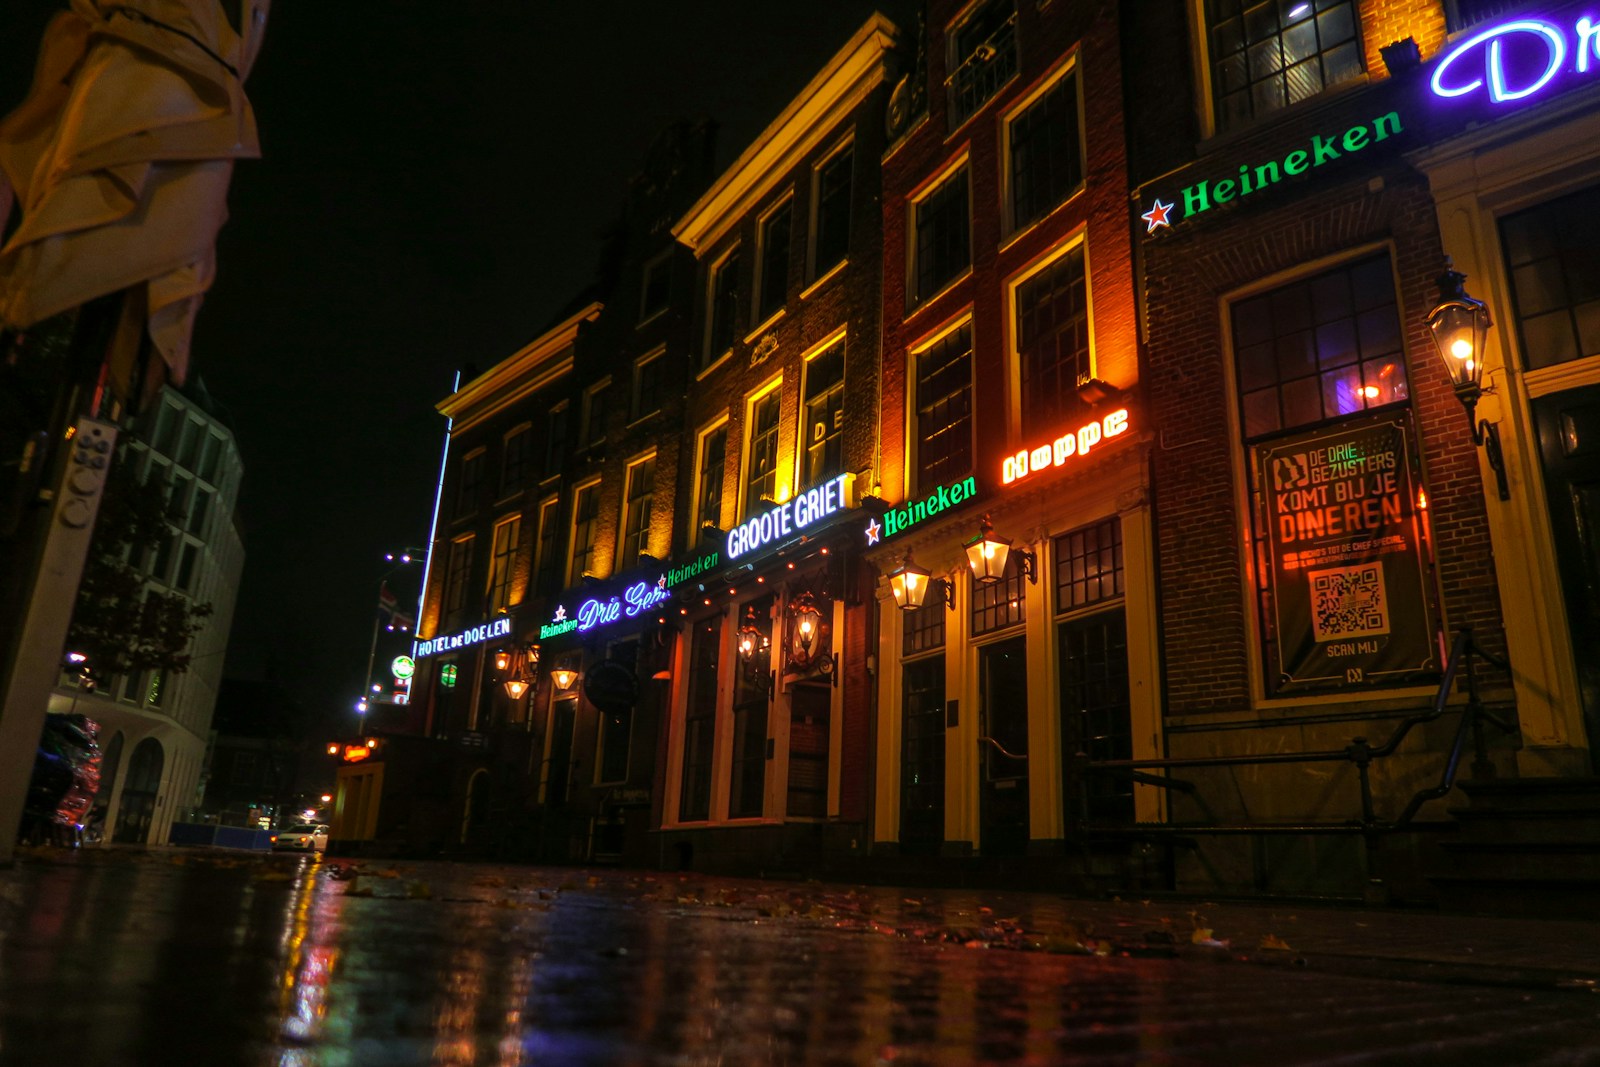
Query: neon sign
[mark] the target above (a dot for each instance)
(471, 636)
(812, 506)
(1519, 59)
(705, 563)
(1063, 448)
(897, 519)
(634, 601)
(402, 668)
(1203, 195)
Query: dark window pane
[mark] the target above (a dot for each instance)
(1277, 54)
(941, 235)
(1555, 278)
(944, 409)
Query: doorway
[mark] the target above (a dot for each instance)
(139, 794)
(558, 774)
(1003, 752)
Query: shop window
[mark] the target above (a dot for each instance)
(722, 312)
(708, 481)
(700, 718)
(997, 605)
(761, 458)
(1268, 54)
(824, 425)
(547, 570)
(656, 291)
(1052, 309)
(944, 409)
(507, 532)
(772, 282)
(455, 583)
(1552, 258)
(830, 191)
(585, 527)
(636, 512)
(940, 229)
(983, 57)
(471, 481)
(1089, 565)
(922, 630)
(514, 460)
(1320, 348)
(751, 687)
(646, 398)
(1045, 152)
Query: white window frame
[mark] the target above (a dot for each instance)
(570, 576)
(1078, 237)
(710, 360)
(914, 354)
(802, 446)
(587, 439)
(772, 385)
(1066, 68)
(662, 261)
(917, 301)
(786, 200)
(635, 399)
(697, 520)
(813, 233)
(623, 562)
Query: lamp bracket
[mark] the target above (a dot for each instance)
(1027, 562)
(1486, 435)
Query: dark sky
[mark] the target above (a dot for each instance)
(434, 181)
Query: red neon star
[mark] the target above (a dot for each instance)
(1156, 217)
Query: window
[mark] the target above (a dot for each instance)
(585, 524)
(455, 583)
(761, 458)
(636, 512)
(646, 387)
(944, 409)
(748, 780)
(700, 718)
(773, 283)
(996, 605)
(1046, 154)
(708, 483)
(1319, 348)
(983, 57)
(1268, 54)
(471, 481)
(199, 510)
(507, 532)
(940, 225)
(923, 628)
(616, 727)
(830, 192)
(555, 442)
(186, 562)
(1555, 284)
(824, 425)
(548, 569)
(1089, 565)
(721, 319)
(514, 460)
(594, 414)
(1052, 343)
(1460, 14)
(656, 292)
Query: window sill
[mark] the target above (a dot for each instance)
(714, 365)
(1299, 110)
(652, 317)
(1019, 234)
(938, 294)
(1000, 90)
(825, 277)
(770, 321)
(642, 419)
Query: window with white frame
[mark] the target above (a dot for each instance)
(594, 414)
(507, 532)
(555, 441)
(646, 399)
(514, 459)
(941, 236)
(830, 196)
(711, 466)
(1044, 164)
(455, 582)
(982, 57)
(656, 291)
(772, 261)
(636, 512)
(722, 307)
(823, 428)
(700, 720)
(943, 433)
(547, 570)
(761, 452)
(1268, 54)
(1052, 338)
(585, 528)
(469, 485)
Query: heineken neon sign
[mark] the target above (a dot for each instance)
(1515, 60)
(470, 636)
(1203, 195)
(897, 519)
(1055, 454)
(634, 601)
(707, 562)
(791, 517)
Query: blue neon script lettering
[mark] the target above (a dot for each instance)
(635, 600)
(1453, 76)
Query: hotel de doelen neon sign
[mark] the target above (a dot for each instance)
(1514, 60)
(470, 636)
(1203, 195)
(1063, 448)
(791, 517)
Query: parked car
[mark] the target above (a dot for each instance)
(302, 837)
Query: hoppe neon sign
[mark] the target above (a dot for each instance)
(812, 506)
(634, 601)
(1519, 59)
(1056, 453)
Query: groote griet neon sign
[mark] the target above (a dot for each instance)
(812, 506)
(1063, 448)
(1518, 59)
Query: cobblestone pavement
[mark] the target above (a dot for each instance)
(121, 957)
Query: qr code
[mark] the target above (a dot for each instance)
(1348, 602)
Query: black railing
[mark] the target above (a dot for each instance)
(982, 73)
(1359, 752)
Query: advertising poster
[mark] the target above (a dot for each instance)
(1350, 589)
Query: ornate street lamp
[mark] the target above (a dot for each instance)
(807, 620)
(1460, 328)
(750, 636)
(563, 677)
(988, 554)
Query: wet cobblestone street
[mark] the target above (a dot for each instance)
(157, 958)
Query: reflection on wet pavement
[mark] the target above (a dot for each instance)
(122, 959)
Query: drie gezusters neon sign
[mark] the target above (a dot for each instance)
(1515, 60)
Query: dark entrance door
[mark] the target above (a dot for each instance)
(560, 771)
(808, 750)
(922, 758)
(139, 794)
(1094, 715)
(1569, 446)
(1003, 747)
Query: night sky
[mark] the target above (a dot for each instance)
(434, 183)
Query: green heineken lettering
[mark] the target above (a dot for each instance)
(898, 519)
(1324, 148)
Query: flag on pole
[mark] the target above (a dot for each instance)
(390, 613)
